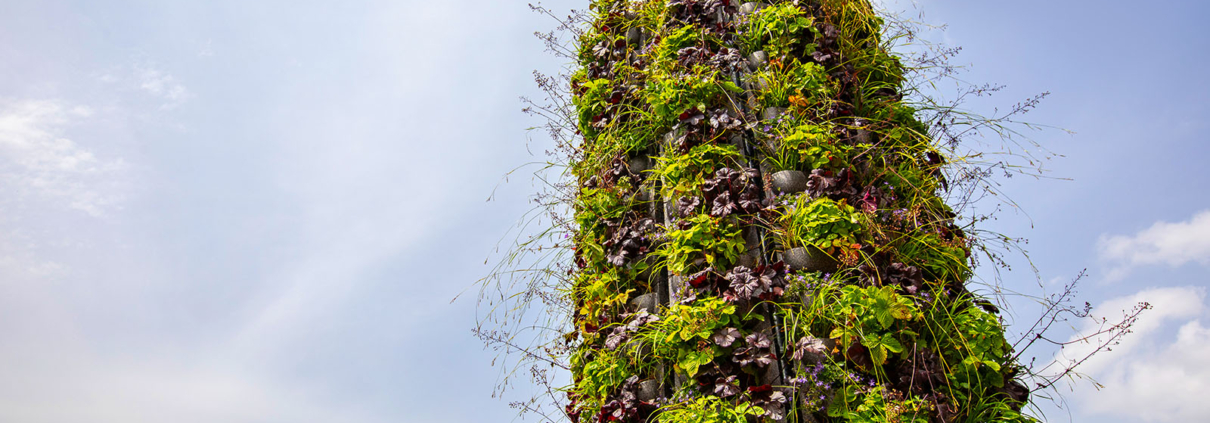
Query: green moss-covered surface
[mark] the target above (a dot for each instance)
(689, 307)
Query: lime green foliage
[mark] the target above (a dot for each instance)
(594, 101)
(683, 173)
(808, 146)
(671, 89)
(984, 341)
(821, 222)
(600, 374)
(708, 240)
(670, 96)
(681, 335)
(874, 406)
(677, 39)
(779, 29)
(978, 345)
(868, 316)
(939, 259)
(799, 84)
(709, 409)
(598, 205)
(602, 292)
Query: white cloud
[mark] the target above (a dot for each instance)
(163, 85)
(1172, 244)
(1152, 376)
(73, 383)
(207, 49)
(153, 82)
(1165, 384)
(36, 160)
(1180, 303)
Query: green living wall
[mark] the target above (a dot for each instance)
(760, 235)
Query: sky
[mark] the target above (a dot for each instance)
(261, 211)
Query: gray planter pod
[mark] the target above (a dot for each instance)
(811, 259)
(724, 16)
(738, 141)
(639, 164)
(752, 239)
(789, 182)
(863, 136)
(750, 7)
(636, 36)
(649, 390)
(748, 260)
(772, 113)
(671, 136)
(649, 302)
(772, 374)
(734, 106)
(758, 83)
(751, 256)
(638, 348)
(757, 59)
(644, 196)
(647, 275)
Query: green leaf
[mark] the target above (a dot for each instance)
(992, 364)
(693, 360)
(687, 334)
(837, 333)
(891, 343)
(878, 354)
(885, 317)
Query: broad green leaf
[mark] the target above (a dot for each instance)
(891, 343)
(878, 354)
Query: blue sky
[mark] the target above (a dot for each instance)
(259, 211)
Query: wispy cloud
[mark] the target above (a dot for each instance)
(37, 160)
(1164, 243)
(1153, 376)
(207, 49)
(74, 384)
(163, 85)
(151, 81)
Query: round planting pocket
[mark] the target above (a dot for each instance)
(649, 390)
(789, 182)
(646, 302)
(750, 7)
(638, 164)
(757, 59)
(811, 259)
(772, 113)
(634, 36)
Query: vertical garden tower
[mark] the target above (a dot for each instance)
(761, 231)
